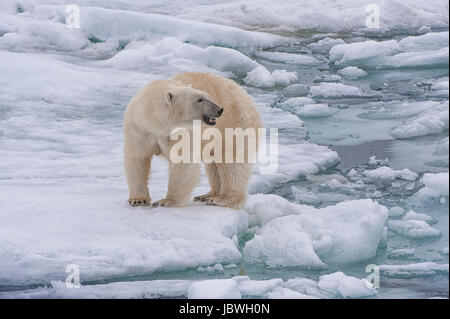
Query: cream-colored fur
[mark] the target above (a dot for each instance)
(164, 105)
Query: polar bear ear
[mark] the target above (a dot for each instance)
(170, 97)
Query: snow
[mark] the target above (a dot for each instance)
(387, 173)
(413, 228)
(352, 72)
(313, 237)
(214, 289)
(335, 90)
(432, 121)
(105, 238)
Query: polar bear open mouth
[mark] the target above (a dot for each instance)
(209, 119)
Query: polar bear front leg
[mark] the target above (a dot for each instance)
(183, 178)
(214, 181)
(137, 170)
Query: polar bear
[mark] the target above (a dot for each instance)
(164, 105)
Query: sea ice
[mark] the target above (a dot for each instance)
(414, 270)
(289, 58)
(344, 233)
(413, 228)
(352, 72)
(262, 78)
(335, 90)
(103, 24)
(427, 58)
(335, 285)
(294, 90)
(387, 173)
(338, 284)
(419, 216)
(436, 183)
(258, 287)
(428, 41)
(214, 289)
(323, 16)
(314, 110)
(431, 121)
(324, 45)
(396, 211)
(402, 253)
(362, 53)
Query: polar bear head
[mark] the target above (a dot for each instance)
(165, 106)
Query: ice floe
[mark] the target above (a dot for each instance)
(414, 270)
(352, 72)
(289, 58)
(402, 253)
(334, 285)
(413, 228)
(262, 78)
(415, 51)
(432, 121)
(325, 16)
(214, 289)
(343, 233)
(104, 242)
(335, 90)
(103, 24)
(314, 110)
(387, 173)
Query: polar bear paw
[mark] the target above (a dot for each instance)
(165, 203)
(202, 198)
(225, 202)
(139, 202)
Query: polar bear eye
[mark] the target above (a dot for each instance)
(200, 100)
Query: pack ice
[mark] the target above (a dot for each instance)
(341, 89)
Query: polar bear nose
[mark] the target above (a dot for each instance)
(220, 111)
